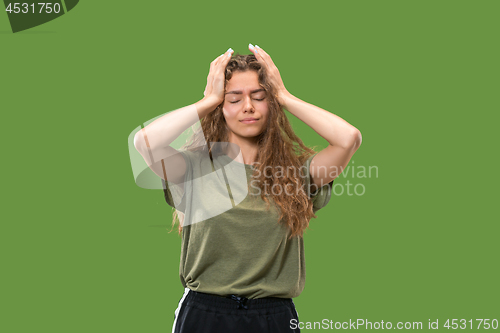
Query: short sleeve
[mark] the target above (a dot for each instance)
(175, 195)
(321, 196)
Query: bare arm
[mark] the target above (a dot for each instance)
(164, 130)
(343, 138)
(331, 127)
(153, 141)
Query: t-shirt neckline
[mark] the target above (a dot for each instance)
(247, 166)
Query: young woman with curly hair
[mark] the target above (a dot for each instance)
(244, 188)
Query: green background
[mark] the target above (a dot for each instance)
(86, 250)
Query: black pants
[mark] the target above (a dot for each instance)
(206, 313)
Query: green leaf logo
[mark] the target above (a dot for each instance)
(28, 14)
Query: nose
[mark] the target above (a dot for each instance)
(248, 106)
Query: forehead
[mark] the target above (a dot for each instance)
(243, 81)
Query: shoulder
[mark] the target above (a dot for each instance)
(198, 162)
(193, 155)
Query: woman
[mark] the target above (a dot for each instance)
(242, 217)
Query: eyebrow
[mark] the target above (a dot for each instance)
(240, 92)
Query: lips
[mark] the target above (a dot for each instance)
(249, 120)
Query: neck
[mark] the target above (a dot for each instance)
(248, 147)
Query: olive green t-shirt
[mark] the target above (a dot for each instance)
(235, 245)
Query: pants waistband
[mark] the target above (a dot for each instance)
(237, 302)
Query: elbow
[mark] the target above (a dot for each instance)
(139, 141)
(357, 139)
(353, 140)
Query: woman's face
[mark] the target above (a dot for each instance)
(245, 98)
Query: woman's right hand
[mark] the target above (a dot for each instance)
(216, 77)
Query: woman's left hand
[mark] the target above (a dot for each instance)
(272, 72)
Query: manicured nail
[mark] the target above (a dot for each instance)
(257, 46)
(229, 50)
(250, 46)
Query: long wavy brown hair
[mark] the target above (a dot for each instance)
(279, 147)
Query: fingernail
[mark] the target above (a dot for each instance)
(250, 46)
(229, 50)
(257, 46)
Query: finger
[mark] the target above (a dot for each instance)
(229, 52)
(211, 75)
(223, 59)
(261, 50)
(213, 65)
(226, 57)
(213, 68)
(216, 70)
(217, 66)
(254, 51)
(264, 55)
(217, 60)
(258, 55)
(214, 61)
(222, 62)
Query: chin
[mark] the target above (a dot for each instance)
(248, 134)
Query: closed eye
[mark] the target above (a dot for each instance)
(255, 99)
